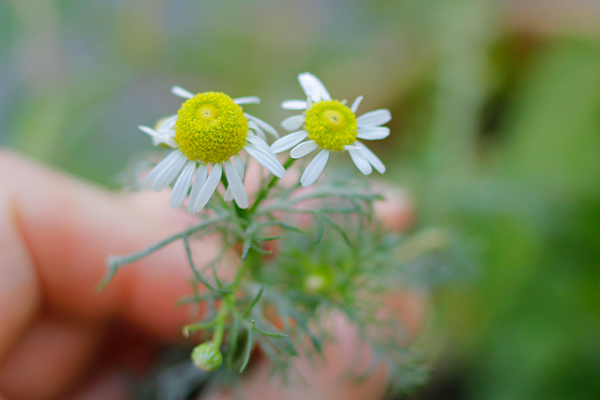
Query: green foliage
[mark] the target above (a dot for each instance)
(523, 330)
(339, 261)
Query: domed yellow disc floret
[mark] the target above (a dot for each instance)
(211, 128)
(331, 124)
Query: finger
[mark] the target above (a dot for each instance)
(82, 354)
(49, 358)
(409, 306)
(330, 378)
(110, 385)
(68, 228)
(19, 287)
(397, 211)
(332, 375)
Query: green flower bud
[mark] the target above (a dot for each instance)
(314, 283)
(318, 280)
(207, 356)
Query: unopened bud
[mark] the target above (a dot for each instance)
(315, 283)
(207, 356)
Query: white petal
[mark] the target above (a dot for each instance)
(181, 92)
(293, 123)
(288, 141)
(252, 125)
(156, 138)
(163, 166)
(147, 130)
(237, 187)
(171, 142)
(168, 141)
(201, 176)
(374, 118)
(372, 158)
(259, 142)
(170, 173)
(303, 149)
(356, 104)
(309, 103)
(182, 185)
(247, 100)
(360, 160)
(313, 87)
(314, 169)
(209, 187)
(263, 125)
(294, 105)
(168, 123)
(375, 133)
(266, 159)
(166, 136)
(239, 167)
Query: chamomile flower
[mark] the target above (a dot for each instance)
(329, 125)
(163, 133)
(209, 130)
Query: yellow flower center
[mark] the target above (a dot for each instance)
(211, 128)
(331, 124)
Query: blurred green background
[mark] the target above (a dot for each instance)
(496, 133)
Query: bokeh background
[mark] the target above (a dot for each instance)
(496, 135)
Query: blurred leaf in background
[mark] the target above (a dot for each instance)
(81, 76)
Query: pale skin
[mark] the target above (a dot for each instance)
(59, 339)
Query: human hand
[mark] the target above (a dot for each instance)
(61, 339)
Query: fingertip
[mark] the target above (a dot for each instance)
(71, 230)
(397, 211)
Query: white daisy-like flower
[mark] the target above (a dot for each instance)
(209, 130)
(163, 133)
(330, 125)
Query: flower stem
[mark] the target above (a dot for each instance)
(228, 302)
(116, 262)
(262, 194)
(220, 324)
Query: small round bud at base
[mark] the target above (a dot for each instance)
(314, 283)
(207, 356)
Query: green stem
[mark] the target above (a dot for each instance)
(262, 194)
(116, 262)
(220, 324)
(228, 302)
